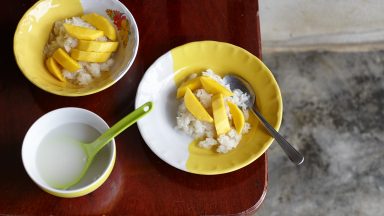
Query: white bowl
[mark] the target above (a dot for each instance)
(101, 166)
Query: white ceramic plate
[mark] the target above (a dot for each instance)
(159, 86)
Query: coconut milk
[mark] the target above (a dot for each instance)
(60, 158)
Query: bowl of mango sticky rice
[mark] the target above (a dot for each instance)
(76, 47)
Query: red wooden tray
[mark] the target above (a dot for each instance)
(141, 183)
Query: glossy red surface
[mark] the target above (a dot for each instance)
(141, 183)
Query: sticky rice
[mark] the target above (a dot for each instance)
(204, 131)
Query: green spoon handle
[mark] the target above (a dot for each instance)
(120, 126)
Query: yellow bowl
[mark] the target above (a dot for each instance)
(35, 26)
(159, 85)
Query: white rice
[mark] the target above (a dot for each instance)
(59, 38)
(204, 97)
(191, 126)
(205, 131)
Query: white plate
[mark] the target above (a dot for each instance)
(159, 86)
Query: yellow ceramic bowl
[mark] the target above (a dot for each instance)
(35, 26)
(159, 85)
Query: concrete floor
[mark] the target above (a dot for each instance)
(334, 114)
(301, 23)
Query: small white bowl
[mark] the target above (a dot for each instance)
(101, 167)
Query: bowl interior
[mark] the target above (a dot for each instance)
(33, 31)
(101, 165)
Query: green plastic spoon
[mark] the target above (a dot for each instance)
(91, 149)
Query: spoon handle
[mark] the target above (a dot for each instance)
(120, 126)
(291, 152)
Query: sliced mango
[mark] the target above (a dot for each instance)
(220, 114)
(89, 56)
(54, 69)
(65, 60)
(97, 46)
(213, 87)
(101, 23)
(82, 33)
(237, 116)
(191, 84)
(194, 106)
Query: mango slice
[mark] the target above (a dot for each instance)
(82, 33)
(237, 116)
(213, 87)
(89, 56)
(97, 46)
(65, 60)
(195, 107)
(220, 114)
(102, 24)
(54, 69)
(191, 84)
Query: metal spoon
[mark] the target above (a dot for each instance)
(236, 82)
